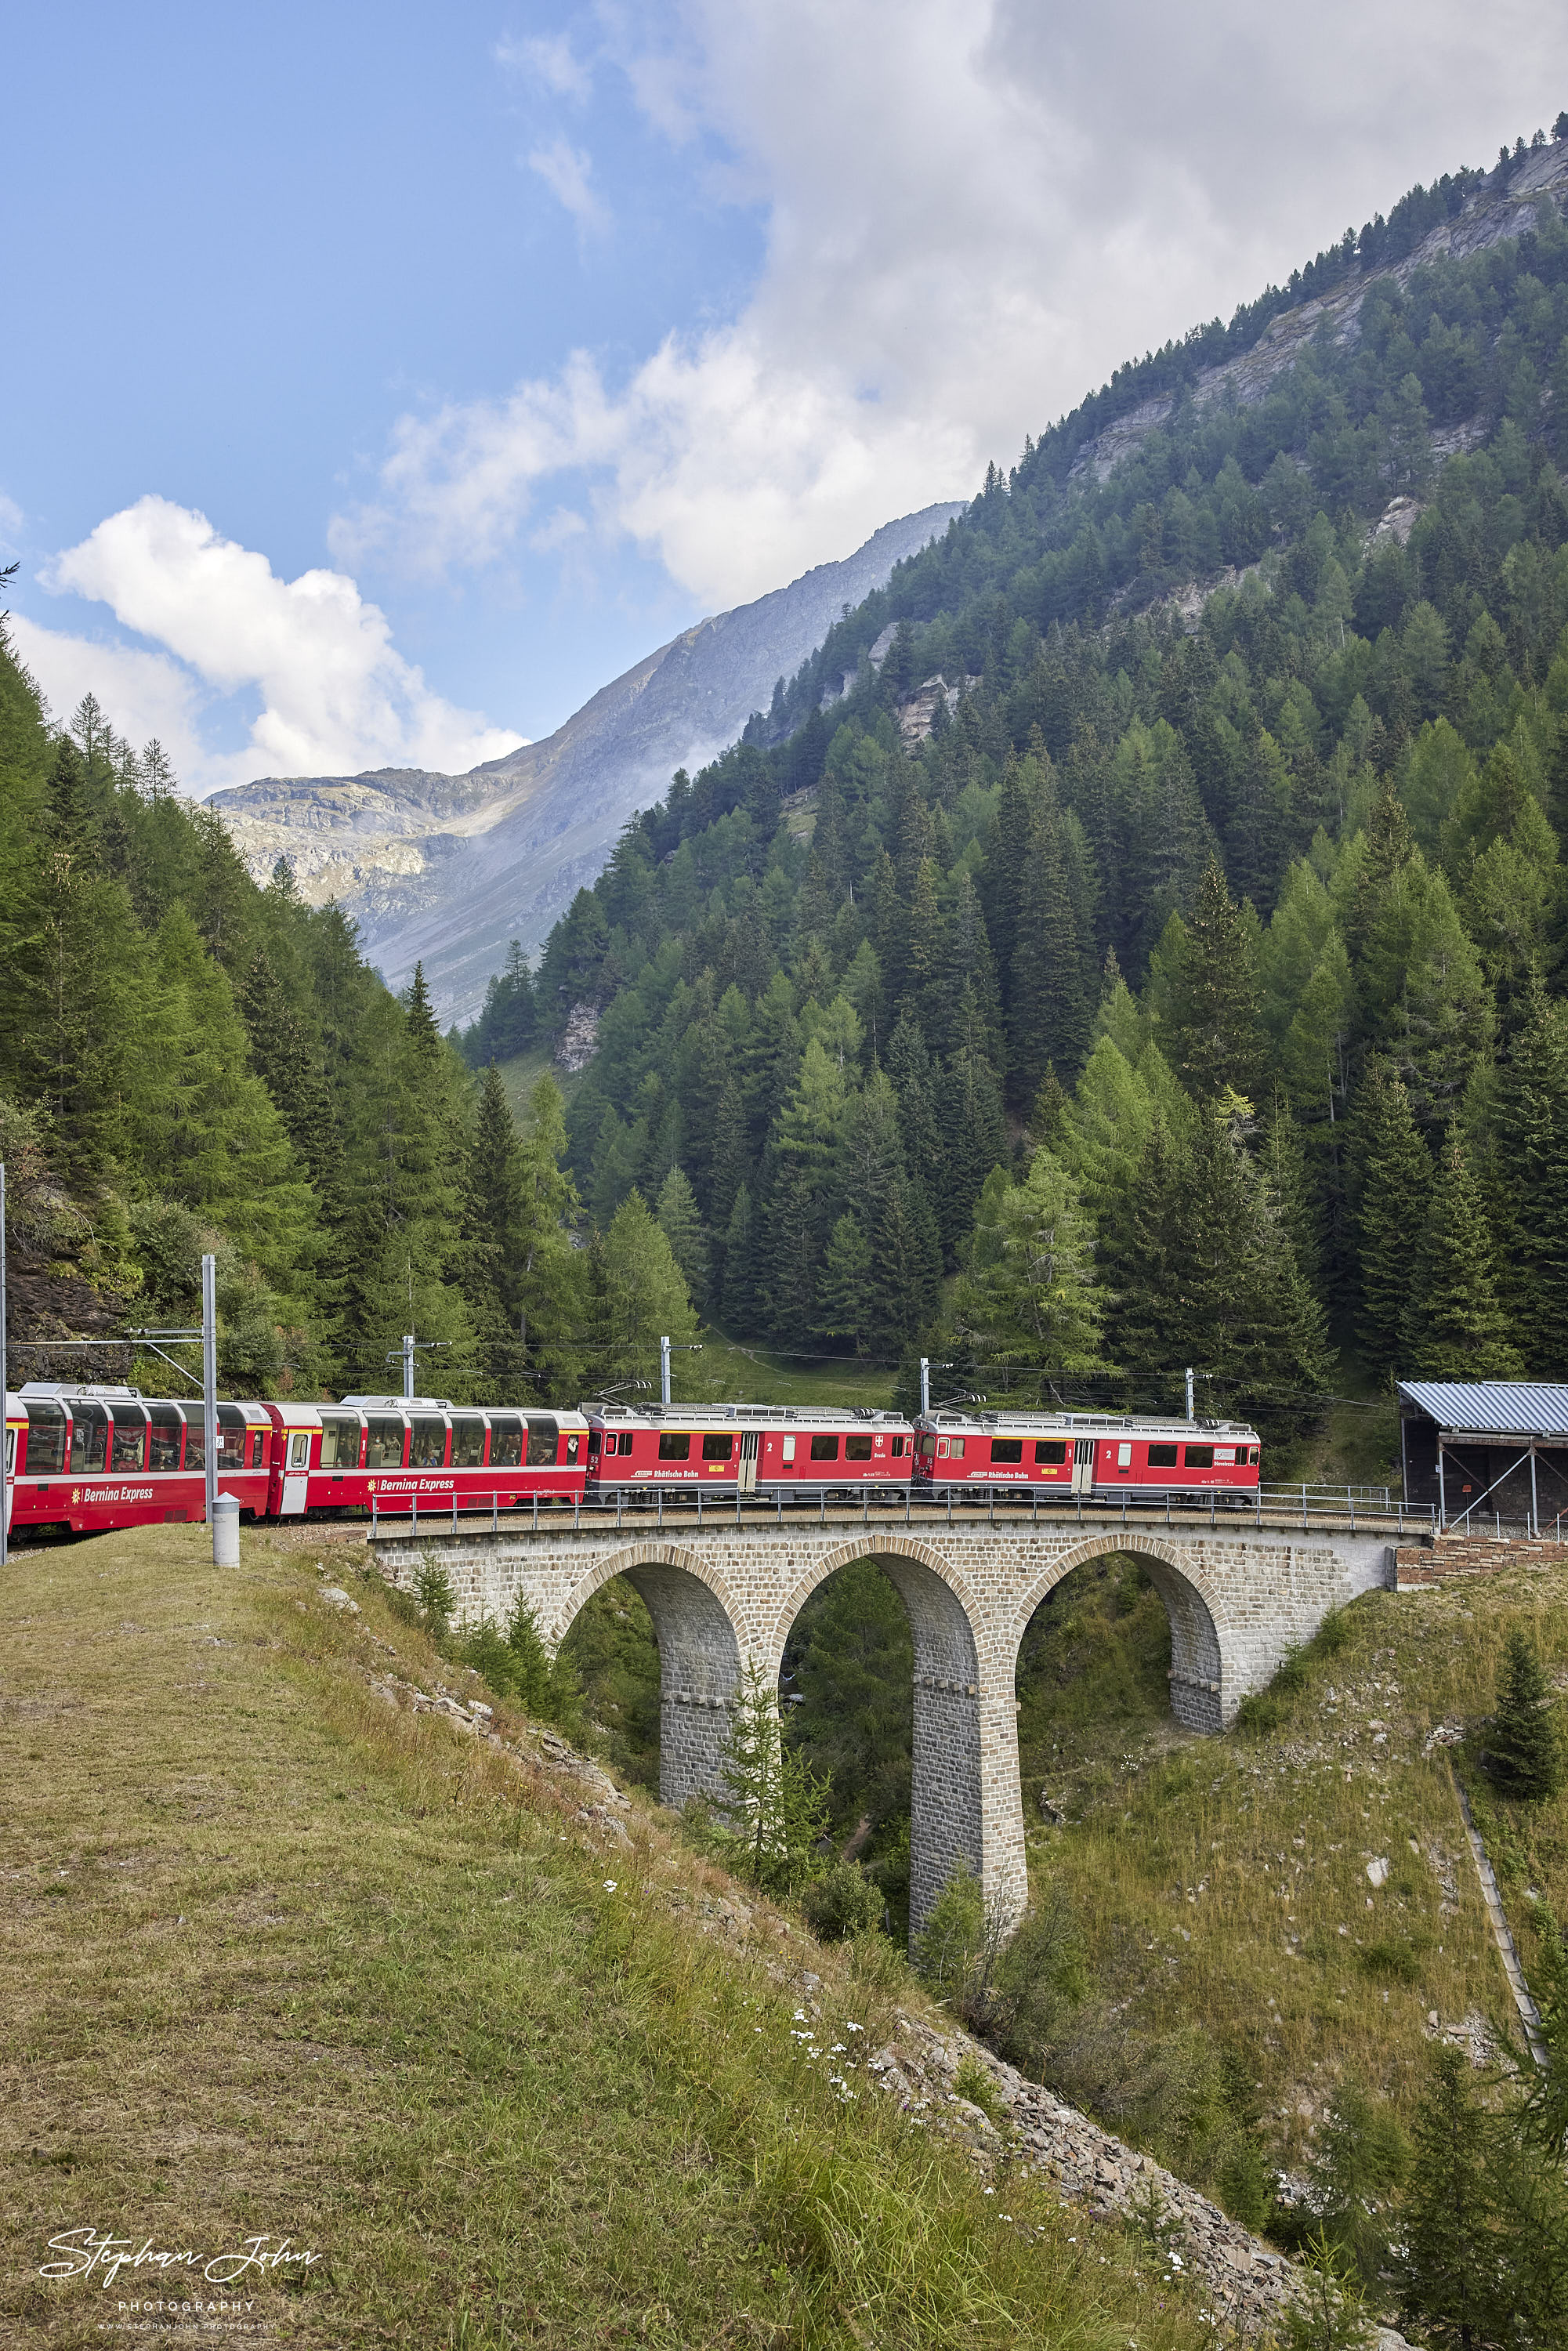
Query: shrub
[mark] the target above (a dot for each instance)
(1525, 1753)
(972, 2082)
(433, 1590)
(842, 1903)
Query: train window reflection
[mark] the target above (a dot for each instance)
(383, 1447)
(339, 1443)
(857, 1448)
(163, 1437)
(506, 1443)
(130, 1437)
(90, 1436)
(46, 1439)
(426, 1444)
(468, 1444)
(542, 1435)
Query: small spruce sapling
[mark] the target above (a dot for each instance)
(1329, 2314)
(1524, 1748)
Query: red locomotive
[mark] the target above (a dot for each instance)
(84, 1459)
(1102, 1455)
(748, 1448)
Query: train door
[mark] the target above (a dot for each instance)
(295, 1471)
(1083, 1465)
(746, 1474)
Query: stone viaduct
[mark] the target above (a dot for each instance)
(721, 1594)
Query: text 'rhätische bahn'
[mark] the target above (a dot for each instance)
(81, 1459)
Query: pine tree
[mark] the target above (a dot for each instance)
(1453, 2278)
(1030, 1299)
(1456, 1329)
(680, 1222)
(1395, 1179)
(741, 1303)
(844, 1296)
(1528, 1201)
(777, 1805)
(1048, 1002)
(491, 1217)
(1524, 1744)
(1216, 1006)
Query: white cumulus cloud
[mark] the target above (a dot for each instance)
(145, 696)
(975, 210)
(336, 695)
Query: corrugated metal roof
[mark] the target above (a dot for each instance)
(1492, 1407)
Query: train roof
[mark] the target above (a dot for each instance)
(727, 1416)
(444, 1404)
(1082, 1423)
(66, 1392)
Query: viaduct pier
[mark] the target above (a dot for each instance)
(723, 1588)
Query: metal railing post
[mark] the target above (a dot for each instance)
(535, 1509)
(414, 1512)
(1350, 1498)
(454, 1507)
(494, 1510)
(372, 1518)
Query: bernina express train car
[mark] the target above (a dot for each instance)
(394, 1449)
(1099, 1454)
(748, 1448)
(89, 1458)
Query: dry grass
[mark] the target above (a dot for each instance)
(1223, 1884)
(283, 1962)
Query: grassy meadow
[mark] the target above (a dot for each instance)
(284, 1962)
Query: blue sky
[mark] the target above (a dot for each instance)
(386, 380)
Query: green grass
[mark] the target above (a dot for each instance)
(1223, 1883)
(282, 1959)
(750, 1372)
(522, 1073)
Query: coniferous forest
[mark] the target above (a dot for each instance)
(1192, 992)
(1178, 979)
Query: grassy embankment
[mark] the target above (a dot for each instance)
(1235, 1966)
(1224, 1885)
(283, 1960)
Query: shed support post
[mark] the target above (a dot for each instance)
(1442, 1490)
(1534, 1511)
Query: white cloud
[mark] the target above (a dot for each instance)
(143, 695)
(336, 694)
(12, 519)
(976, 209)
(566, 171)
(551, 60)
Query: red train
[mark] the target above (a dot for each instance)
(748, 1449)
(1103, 1455)
(86, 1459)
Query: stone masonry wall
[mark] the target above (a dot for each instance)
(1237, 1598)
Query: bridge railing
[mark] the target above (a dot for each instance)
(1307, 1506)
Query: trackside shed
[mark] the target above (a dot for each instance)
(1484, 1451)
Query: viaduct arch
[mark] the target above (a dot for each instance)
(722, 1598)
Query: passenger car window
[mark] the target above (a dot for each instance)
(543, 1436)
(1007, 1448)
(1051, 1448)
(90, 1436)
(163, 1437)
(467, 1443)
(426, 1444)
(383, 1447)
(857, 1448)
(674, 1445)
(130, 1437)
(339, 1443)
(1162, 1457)
(717, 1449)
(505, 1444)
(1199, 1456)
(46, 1439)
(824, 1448)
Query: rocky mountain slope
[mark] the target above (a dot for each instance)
(448, 869)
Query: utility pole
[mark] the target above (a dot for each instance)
(1189, 1392)
(408, 1366)
(210, 1385)
(664, 1369)
(924, 1383)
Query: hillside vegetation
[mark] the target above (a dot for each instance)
(1191, 991)
(285, 1961)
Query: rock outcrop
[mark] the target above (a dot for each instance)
(445, 869)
